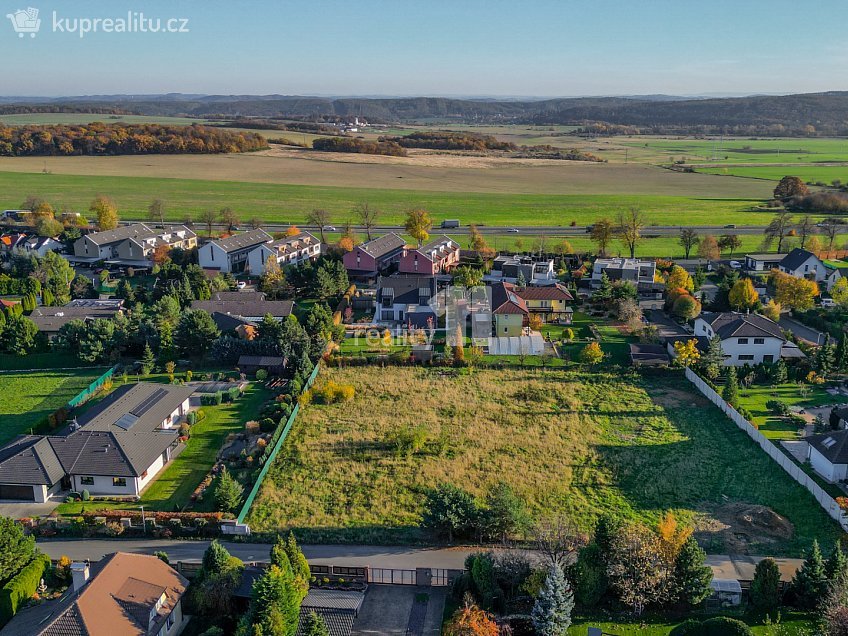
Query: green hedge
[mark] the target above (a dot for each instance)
(21, 587)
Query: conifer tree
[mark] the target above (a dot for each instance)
(551, 613)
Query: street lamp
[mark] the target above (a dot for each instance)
(143, 521)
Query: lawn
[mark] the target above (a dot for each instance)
(27, 397)
(581, 442)
(809, 173)
(172, 489)
(791, 624)
(755, 398)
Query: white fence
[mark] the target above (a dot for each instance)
(796, 472)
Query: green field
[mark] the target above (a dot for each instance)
(792, 623)
(586, 442)
(735, 150)
(809, 173)
(282, 203)
(27, 397)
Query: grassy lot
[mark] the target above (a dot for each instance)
(586, 443)
(27, 397)
(791, 624)
(173, 488)
(50, 360)
(755, 398)
(285, 203)
(809, 173)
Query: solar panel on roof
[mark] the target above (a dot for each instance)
(148, 402)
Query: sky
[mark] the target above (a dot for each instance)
(525, 48)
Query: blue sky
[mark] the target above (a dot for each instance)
(435, 47)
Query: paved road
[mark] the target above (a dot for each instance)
(351, 555)
(802, 331)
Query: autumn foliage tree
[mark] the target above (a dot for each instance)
(106, 212)
(792, 292)
(789, 187)
(418, 224)
(470, 620)
(742, 295)
(708, 248)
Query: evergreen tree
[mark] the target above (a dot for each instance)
(125, 291)
(147, 360)
(314, 625)
(823, 362)
(691, 577)
(551, 613)
(810, 583)
(228, 492)
(730, 392)
(299, 564)
(215, 559)
(779, 373)
(713, 360)
(275, 604)
(840, 359)
(506, 513)
(837, 563)
(765, 588)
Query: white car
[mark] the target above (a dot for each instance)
(735, 265)
(828, 303)
(241, 284)
(513, 230)
(329, 228)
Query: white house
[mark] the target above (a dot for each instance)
(116, 448)
(632, 269)
(745, 338)
(833, 275)
(40, 245)
(803, 264)
(828, 454)
(508, 269)
(762, 262)
(131, 244)
(230, 254)
(288, 251)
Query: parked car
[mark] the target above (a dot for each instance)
(241, 284)
(735, 265)
(828, 303)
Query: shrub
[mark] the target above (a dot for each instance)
(267, 425)
(261, 375)
(86, 495)
(723, 626)
(22, 586)
(777, 407)
(191, 418)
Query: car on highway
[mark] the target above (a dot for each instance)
(329, 228)
(513, 230)
(730, 226)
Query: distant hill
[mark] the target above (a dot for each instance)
(806, 114)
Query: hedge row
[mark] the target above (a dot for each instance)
(160, 517)
(344, 303)
(21, 587)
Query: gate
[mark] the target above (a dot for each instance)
(391, 576)
(440, 578)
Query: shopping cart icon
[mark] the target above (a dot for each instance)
(25, 21)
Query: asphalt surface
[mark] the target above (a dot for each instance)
(802, 331)
(399, 557)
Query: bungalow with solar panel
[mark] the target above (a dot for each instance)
(117, 447)
(828, 454)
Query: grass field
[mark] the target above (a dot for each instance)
(809, 173)
(586, 443)
(27, 397)
(791, 624)
(755, 398)
(284, 203)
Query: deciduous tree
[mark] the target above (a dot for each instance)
(602, 234)
(319, 218)
(742, 295)
(156, 211)
(367, 217)
(16, 548)
(106, 212)
(591, 354)
(789, 187)
(687, 352)
(418, 224)
(729, 242)
(688, 239)
(708, 248)
(777, 229)
(630, 226)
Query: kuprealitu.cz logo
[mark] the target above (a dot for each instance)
(28, 22)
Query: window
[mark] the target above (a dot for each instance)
(743, 341)
(119, 481)
(87, 481)
(746, 356)
(759, 340)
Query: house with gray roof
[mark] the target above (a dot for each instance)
(131, 244)
(230, 254)
(249, 311)
(115, 448)
(50, 320)
(374, 257)
(745, 338)
(289, 251)
(828, 454)
(801, 263)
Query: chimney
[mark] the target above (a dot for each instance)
(79, 572)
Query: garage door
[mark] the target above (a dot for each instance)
(22, 493)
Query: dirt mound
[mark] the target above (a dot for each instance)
(740, 527)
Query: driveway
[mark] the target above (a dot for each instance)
(401, 609)
(21, 509)
(801, 331)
